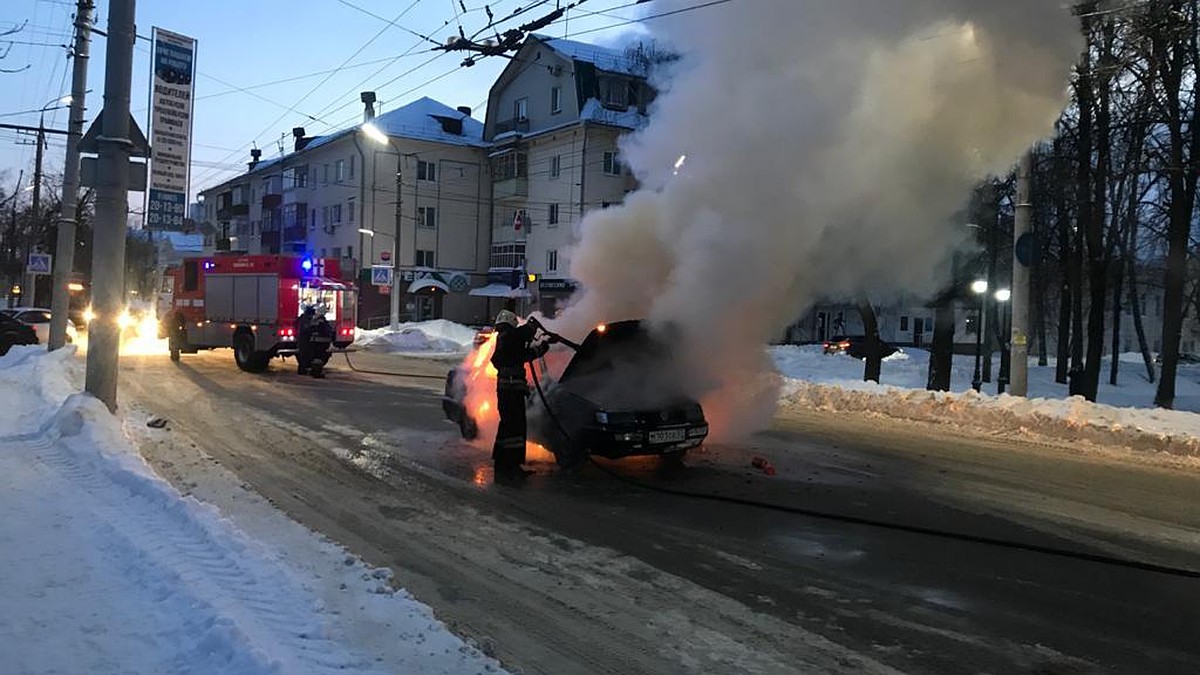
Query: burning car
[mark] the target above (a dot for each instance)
(620, 395)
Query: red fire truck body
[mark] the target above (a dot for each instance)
(250, 303)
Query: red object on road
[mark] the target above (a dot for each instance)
(762, 464)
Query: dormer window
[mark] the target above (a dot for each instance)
(521, 109)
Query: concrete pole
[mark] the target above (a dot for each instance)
(1019, 335)
(29, 293)
(112, 207)
(395, 299)
(64, 252)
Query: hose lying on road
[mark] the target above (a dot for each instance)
(870, 522)
(365, 371)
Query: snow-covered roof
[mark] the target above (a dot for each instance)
(422, 120)
(604, 58)
(183, 242)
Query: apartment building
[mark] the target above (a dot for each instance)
(553, 121)
(415, 190)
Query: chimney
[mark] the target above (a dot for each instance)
(368, 99)
(298, 134)
(255, 154)
(465, 109)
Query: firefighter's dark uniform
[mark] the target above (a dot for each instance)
(513, 351)
(304, 349)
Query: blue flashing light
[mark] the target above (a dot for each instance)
(306, 264)
(208, 265)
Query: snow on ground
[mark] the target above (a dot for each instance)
(107, 568)
(1125, 414)
(426, 337)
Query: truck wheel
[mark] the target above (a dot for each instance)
(246, 357)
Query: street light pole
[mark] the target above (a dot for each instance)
(1003, 296)
(1022, 239)
(64, 249)
(979, 287)
(394, 313)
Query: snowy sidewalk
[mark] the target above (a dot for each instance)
(107, 568)
(834, 382)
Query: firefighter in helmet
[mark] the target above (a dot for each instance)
(514, 348)
(304, 346)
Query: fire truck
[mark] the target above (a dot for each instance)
(250, 303)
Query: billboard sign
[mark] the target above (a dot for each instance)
(171, 94)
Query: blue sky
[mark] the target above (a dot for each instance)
(248, 43)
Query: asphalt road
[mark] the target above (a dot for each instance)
(592, 572)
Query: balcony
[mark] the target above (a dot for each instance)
(231, 212)
(517, 124)
(295, 233)
(511, 189)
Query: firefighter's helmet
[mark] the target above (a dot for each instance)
(505, 317)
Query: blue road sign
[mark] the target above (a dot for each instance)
(381, 276)
(39, 263)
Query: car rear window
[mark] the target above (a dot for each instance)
(35, 317)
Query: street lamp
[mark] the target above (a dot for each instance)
(375, 134)
(979, 287)
(1002, 296)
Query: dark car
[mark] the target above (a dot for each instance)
(13, 332)
(854, 346)
(620, 395)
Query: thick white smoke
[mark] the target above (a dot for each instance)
(829, 145)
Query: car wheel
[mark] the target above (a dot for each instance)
(246, 357)
(467, 427)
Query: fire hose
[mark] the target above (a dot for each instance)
(422, 376)
(862, 521)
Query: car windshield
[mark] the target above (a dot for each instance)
(625, 366)
(35, 316)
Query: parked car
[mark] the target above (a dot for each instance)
(39, 319)
(1184, 357)
(854, 345)
(13, 332)
(620, 395)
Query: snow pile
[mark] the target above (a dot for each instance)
(107, 568)
(426, 337)
(834, 383)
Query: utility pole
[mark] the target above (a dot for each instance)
(112, 206)
(64, 250)
(29, 294)
(395, 299)
(1024, 246)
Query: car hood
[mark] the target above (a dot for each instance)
(625, 366)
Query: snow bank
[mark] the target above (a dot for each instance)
(834, 383)
(107, 568)
(425, 337)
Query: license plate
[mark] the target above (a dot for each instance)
(668, 436)
(321, 339)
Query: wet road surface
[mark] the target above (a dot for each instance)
(592, 572)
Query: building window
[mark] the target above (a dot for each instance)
(555, 100)
(928, 324)
(521, 109)
(552, 260)
(612, 164)
(427, 216)
(556, 166)
(336, 211)
(351, 174)
(509, 165)
(904, 323)
(350, 211)
(337, 251)
(424, 258)
(324, 253)
(426, 171)
(552, 214)
(324, 216)
(313, 219)
(614, 92)
(350, 252)
(325, 177)
(339, 170)
(507, 256)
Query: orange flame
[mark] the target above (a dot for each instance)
(479, 377)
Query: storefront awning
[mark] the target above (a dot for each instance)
(324, 282)
(500, 291)
(428, 283)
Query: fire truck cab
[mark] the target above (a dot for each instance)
(250, 303)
